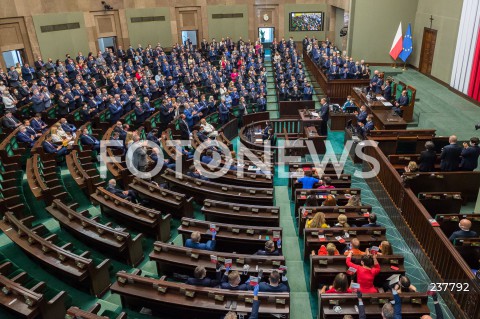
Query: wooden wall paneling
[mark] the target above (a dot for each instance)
(14, 36)
(190, 18)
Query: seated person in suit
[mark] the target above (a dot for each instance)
(30, 130)
(38, 124)
(372, 221)
(464, 231)
(401, 102)
(274, 284)
(362, 116)
(89, 140)
(427, 158)
(368, 126)
(193, 172)
(129, 195)
(308, 180)
(9, 121)
(270, 249)
(194, 241)
(67, 127)
(166, 162)
(200, 277)
(116, 142)
(232, 281)
(181, 150)
(450, 157)
(25, 137)
(207, 158)
(470, 154)
(51, 148)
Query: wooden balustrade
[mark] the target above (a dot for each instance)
(435, 253)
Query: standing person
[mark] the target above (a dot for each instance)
(427, 158)
(9, 102)
(324, 114)
(470, 154)
(366, 272)
(450, 157)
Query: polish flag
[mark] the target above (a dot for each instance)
(397, 44)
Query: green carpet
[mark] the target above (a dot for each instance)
(433, 109)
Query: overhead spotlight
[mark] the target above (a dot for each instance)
(106, 6)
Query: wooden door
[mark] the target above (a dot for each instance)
(428, 50)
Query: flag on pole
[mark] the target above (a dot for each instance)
(407, 45)
(397, 44)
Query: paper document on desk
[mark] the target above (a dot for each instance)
(380, 98)
(315, 114)
(387, 104)
(258, 140)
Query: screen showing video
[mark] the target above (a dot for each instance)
(306, 21)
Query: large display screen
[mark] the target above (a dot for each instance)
(306, 21)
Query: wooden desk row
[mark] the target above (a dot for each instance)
(10, 183)
(172, 259)
(414, 305)
(323, 269)
(186, 301)
(202, 190)
(313, 238)
(136, 216)
(179, 204)
(27, 297)
(92, 313)
(63, 260)
(342, 195)
(441, 202)
(112, 240)
(242, 214)
(467, 183)
(44, 180)
(231, 237)
(356, 215)
(83, 170)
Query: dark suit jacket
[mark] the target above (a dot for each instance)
(450, 157)
(49, 148)
(427, 161)
(462, 234)
(90, 140)
(8, 123)
(324, 112)
(115, 191)
(470, 158)
(184, 131)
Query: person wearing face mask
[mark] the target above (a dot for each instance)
(9, 102)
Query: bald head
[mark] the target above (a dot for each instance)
(425, 317)
(452, 139)
(465, 224)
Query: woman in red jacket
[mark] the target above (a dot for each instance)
(366, 272)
